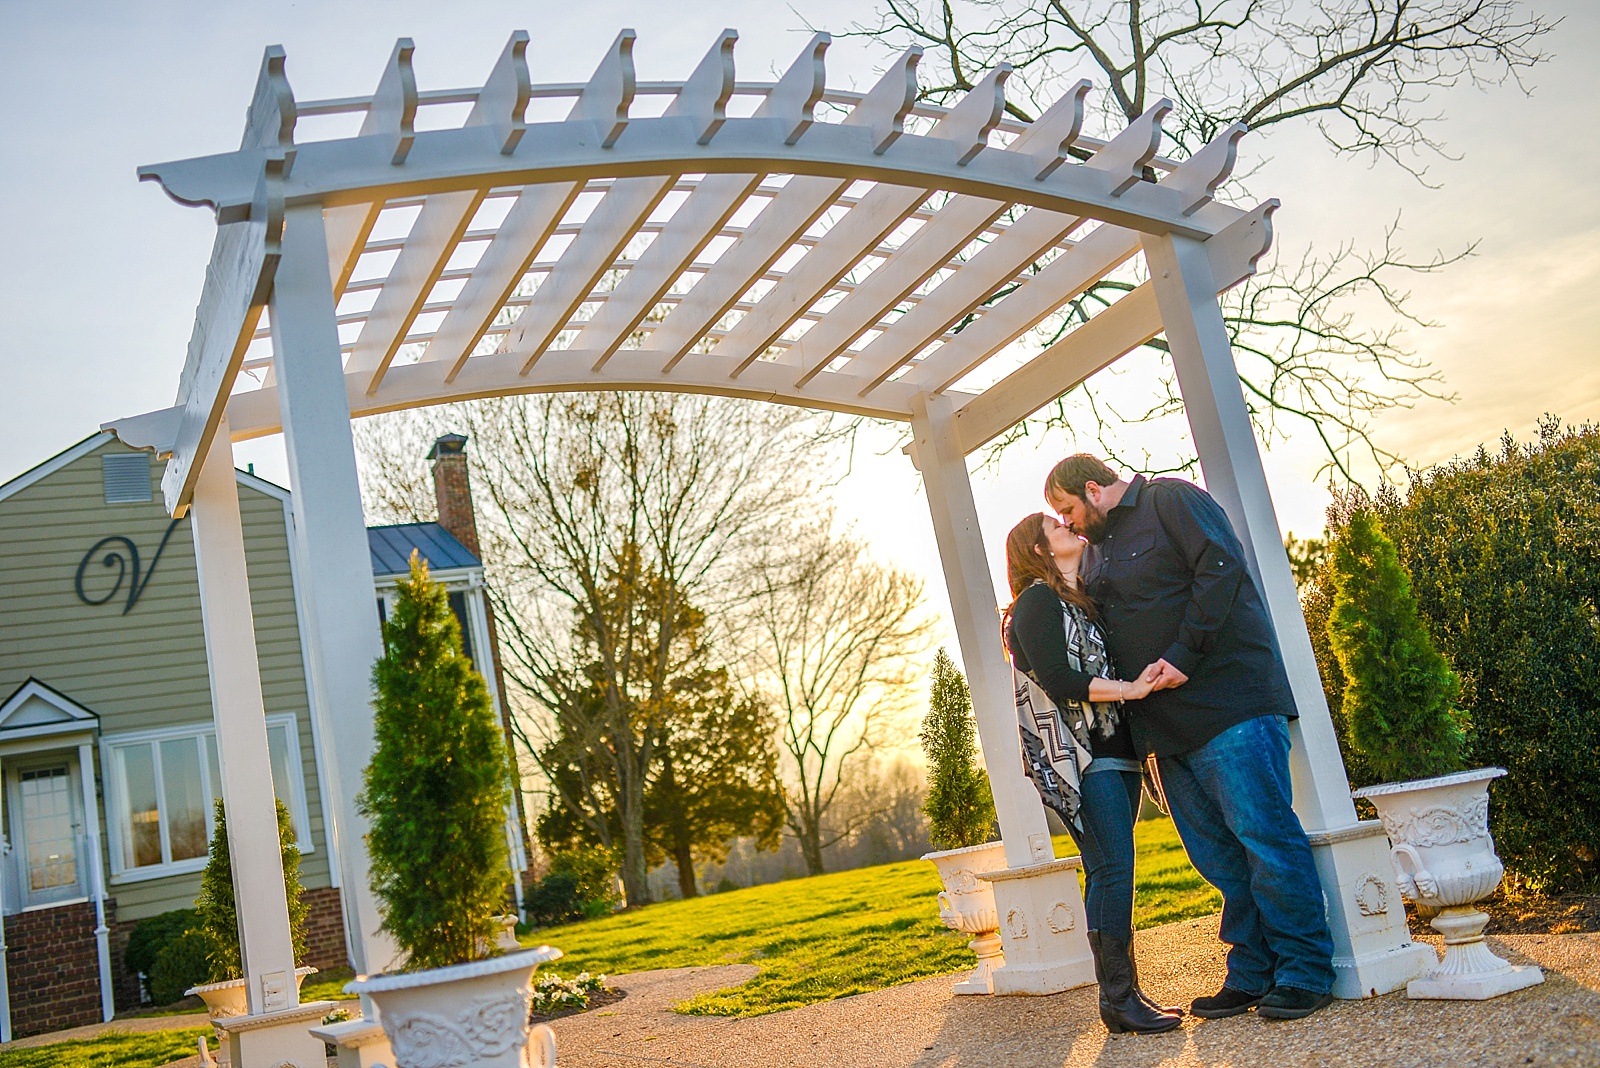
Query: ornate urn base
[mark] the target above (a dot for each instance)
(474, 1013)
(1444, 858)
(967, 905)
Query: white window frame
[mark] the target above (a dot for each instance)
(116, 793)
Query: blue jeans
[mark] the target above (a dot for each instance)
(1110, 805)
(1230, 800)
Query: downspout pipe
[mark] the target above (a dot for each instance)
(102, 932)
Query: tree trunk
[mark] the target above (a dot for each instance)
(684, 858)
(635, 872)
(811, 848)
(671, 813)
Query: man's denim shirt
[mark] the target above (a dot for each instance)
(1172, 584)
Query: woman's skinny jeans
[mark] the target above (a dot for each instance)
(1110, 805)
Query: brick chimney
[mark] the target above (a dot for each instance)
(453, 491)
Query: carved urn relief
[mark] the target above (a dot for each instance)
(967, 904)
(468, 1014)
(1444, 859)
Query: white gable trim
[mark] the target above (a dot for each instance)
(261, 485)
(69, 716)
(55, 463)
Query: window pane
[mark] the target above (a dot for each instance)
(141, 821)
(216, 768)
(458, 605)
(47, 826)
(282, 779)
(185, 797)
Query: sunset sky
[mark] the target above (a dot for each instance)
(99, 275)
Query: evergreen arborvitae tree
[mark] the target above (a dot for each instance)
(960, 807)
(1400, 693)
(217, 911)
(437, 788)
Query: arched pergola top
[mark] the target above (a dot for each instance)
(842, 251)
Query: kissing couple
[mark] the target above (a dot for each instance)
(1140, 644)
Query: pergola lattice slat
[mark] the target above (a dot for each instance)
(874, 256)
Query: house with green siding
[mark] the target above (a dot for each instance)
(108, 759)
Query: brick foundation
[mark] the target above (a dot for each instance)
(124, 982)
(54, 969)
(324, 929)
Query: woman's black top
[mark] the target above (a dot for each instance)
(1038, 642)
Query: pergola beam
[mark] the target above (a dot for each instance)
(244, 259)
(357, 170)
(1104, 338)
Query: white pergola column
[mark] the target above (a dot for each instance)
(331, 539)
(265, 949)
(1046, 948)
(1373, 951)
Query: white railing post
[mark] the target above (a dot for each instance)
(332, 553)
(1373, 952)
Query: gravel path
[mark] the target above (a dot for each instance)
(924, 1025)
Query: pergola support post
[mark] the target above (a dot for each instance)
(265, 949)
(1373, 951)
(331, 543)
(1041, 909)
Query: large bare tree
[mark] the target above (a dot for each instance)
(833, 637)
(1320, 337)
(607, 520)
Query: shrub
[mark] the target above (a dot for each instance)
(437, 788)
(1504, 555)
(183, 962)
(581, 885)
(960, 807)
(151, 935)
(215, 909)
(554, 900)
(1400, 694)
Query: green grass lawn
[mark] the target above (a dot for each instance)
(115, 1049)
(325, 985)
(833, 935)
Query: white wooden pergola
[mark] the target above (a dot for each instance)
(785, 241)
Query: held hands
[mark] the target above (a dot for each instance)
(1134, 689)
(1162, 676)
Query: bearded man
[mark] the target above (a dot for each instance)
(1169, 575)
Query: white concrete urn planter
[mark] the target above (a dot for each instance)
(230, 998)
(1444, 858)
(466, 1014)
(967, 904)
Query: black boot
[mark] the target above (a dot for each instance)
(1121, 1009)
(1133, 962)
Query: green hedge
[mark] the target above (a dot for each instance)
(1504, 555)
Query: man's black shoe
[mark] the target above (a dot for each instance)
(1225, 1002)
(1291, 1003)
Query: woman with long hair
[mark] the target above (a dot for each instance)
(1078, 748)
